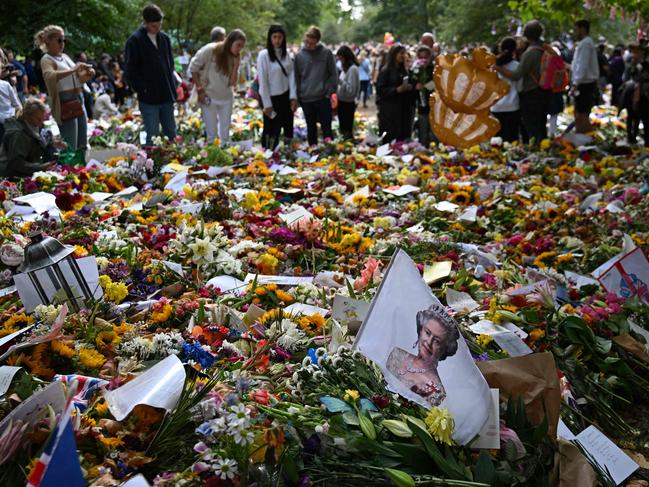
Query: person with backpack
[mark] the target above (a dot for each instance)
(585, 73)
(277, 90)
(532, 97)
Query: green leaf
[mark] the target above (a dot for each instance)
(350, 417)
(290, 469)
(365, 444)
(350, 289)
(433, 450)
(397, 428)
(603, 345)
(400, 478)
(367, 427)
(484, 470)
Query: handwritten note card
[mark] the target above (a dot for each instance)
(607, 454)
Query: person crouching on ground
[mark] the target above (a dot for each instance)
(23, 150)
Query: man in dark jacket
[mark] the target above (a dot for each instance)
(149, 71)
(316, 79)
(23, 150)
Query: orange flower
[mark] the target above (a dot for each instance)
(536, 334)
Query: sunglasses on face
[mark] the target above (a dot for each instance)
(60, 40)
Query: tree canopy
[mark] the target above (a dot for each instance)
(100, 26)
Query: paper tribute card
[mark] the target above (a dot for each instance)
(629, 276)
(349, 312)
(420, 350)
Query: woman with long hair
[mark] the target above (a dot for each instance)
(215, 72)
(275, 71)
(348, 89)
(394, 91)
(507, 109)
(64, 80)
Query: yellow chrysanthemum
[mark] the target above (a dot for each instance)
(115, 292)
(163, 314)
(440, 424)
(104, 281)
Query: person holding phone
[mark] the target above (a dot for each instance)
(395, 97)
(277, 89)
(64, 80)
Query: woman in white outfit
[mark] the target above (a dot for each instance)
(276, 88)
(214, 72)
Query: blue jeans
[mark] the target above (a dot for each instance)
(75, 132)
(156, 115)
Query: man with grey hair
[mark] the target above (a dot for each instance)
(427, 39)
(217, 34)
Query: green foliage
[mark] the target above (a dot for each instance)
(91, 25)
(190, 21)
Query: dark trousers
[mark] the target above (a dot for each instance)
(2, 132)
(283, 120)
(534, 114)
(396, 120)
(641, 112)
(424, 131)
(365, 90)
(346, 111)
(314, 112)
(510, 125)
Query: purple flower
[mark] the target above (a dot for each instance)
(483, 357)
(312, 444)
(282, 234)
(281, 354)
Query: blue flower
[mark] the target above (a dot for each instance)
(243, 385)
(312, 355)
(204, 429)
(196, 353)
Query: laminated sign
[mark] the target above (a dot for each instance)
(628, 276)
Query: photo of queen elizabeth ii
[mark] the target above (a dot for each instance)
(419, 348)
(437, 337)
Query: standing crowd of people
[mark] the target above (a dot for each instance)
(319, 80)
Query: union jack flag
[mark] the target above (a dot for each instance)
(86, 387)
(59, 462)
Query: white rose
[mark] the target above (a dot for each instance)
(12, 254)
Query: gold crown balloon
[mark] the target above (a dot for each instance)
(465, 90)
